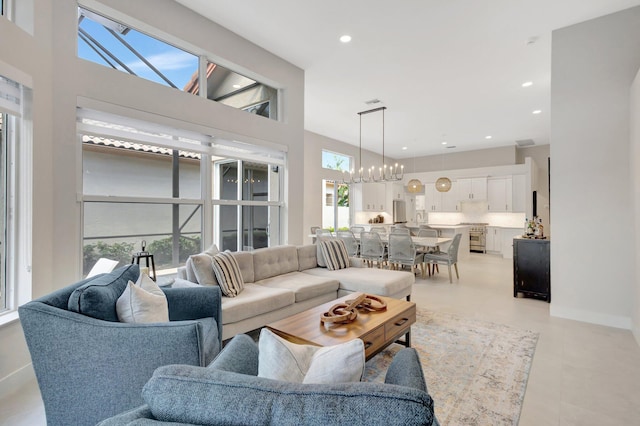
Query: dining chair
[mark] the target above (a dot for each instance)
(372, 249)
(450, 257)
(402, 251)
(402, 231)
(429, 227)
(324, 232)
(357, 230)
(428, 233)
(350, 242)
(378, 229)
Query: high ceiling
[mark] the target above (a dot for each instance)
(447, 70)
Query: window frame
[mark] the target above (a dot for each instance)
(17, 260)
(204, 59)
(337, 154)
(210, 148)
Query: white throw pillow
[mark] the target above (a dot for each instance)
(182, 283)
(142, 302)
(279, 359)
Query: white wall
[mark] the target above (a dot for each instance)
(23, 54)
(635, 178)
(61, 80)
(592, 249)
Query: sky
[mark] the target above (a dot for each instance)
(177, 65)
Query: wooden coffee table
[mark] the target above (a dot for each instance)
(377, 329)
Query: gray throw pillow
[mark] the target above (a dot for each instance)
(97, 298)
(203, 268)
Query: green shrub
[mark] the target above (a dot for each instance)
(116, 251)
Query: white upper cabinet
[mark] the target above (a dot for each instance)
(451, 199)
(499, 194)
(433, 199)
(519, 193)
(436, 201)
(370, 197)
(472, 189)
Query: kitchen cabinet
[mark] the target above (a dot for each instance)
(472, 189)
(493, 239)
(450, 199)
(421, 202)
(499, 194)
(508, 234)
(436, 201)
(519, 193)
(370, 197)
(531, 268)
(433, 198)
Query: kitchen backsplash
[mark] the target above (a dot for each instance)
(476, 212)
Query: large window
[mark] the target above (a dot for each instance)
(113, 44)
(145, 181)
(335, 205)
(15, 196)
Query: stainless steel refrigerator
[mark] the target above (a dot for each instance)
(399, 211)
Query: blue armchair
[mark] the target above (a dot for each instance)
(228, 392)
(89, 369)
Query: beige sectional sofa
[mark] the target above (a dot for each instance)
(284, 280)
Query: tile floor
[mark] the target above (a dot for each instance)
(582, 374)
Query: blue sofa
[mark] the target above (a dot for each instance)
(89, 369)
(229, 392)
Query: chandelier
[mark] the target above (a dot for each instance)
(384, 173)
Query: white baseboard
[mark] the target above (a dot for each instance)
(636, 333)
(590, 317)
(16, 380)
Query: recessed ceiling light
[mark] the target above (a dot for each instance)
(404, 148)
(345, 38)
(444, 143)
(488, 137)
(236, 86)
(538, 111)
(527, 84)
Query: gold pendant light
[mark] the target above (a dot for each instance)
(414, 185)
(443, 184)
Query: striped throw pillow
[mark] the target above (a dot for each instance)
(335, 254)
(227, 272)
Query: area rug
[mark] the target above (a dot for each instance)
(476, 371)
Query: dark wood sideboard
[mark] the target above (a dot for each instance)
(531, 268)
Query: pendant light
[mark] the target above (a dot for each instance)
(443, 184)
(414, 185)
(385, 174)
